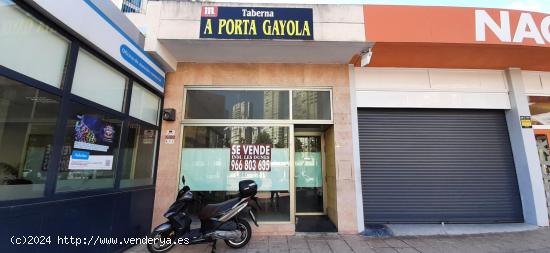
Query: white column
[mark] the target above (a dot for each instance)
(356, 154)
(525, 152)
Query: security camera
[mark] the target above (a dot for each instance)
(366, 55)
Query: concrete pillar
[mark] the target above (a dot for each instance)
(356, 152)
(525, 152)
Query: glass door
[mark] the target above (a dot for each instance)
(309, 174)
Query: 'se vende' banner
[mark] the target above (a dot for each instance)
(250, 157)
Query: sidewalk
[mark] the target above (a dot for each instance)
(537, 241)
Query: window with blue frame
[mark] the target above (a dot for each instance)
(69, 121)
(28, 120)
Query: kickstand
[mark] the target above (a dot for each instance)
(214, 246)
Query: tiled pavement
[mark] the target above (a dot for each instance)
(537, 241)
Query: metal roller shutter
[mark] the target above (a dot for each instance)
(437, 165)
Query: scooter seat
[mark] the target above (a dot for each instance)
(211, 210)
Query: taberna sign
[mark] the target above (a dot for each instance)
(89, 22)
(250, 23)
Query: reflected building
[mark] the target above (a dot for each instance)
(275, 108)
(308, 106)
(241, 135)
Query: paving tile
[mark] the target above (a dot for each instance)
(429, 249)
(359, 246)
(415, 242)
(306, 250)
(385, 250)
(339, 246)
(253, 251)
(318, 246)
(519, 242)
(278, 251)
(297, 243)
(395, 243)
(377, 243)
(406, 250)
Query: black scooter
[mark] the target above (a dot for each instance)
(222, 221)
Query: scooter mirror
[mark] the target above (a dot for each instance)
(183, 179)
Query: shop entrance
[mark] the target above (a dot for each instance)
(309, 173)
(310, 183)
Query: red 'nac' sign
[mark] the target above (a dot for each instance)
(250, 157)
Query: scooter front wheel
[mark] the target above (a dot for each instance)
(246, 234)
(162, 241)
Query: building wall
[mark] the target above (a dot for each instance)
(332, 202)
(392, 87)
(262, 75)
(431, 88)
(330, 22)
(536, 82)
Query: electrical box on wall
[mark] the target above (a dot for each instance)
(169, 114)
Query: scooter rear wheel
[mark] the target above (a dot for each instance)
(163, 241)
(246, 234)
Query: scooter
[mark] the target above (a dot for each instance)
(222, 221)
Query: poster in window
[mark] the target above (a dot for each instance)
(250, 157)
(93, 144)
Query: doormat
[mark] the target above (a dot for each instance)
(314, 223)
(376, 230)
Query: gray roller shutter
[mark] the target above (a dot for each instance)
(437, 165)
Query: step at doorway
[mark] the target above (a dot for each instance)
(314, 223)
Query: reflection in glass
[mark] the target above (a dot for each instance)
(311, 105)
(540, 110)
(308, 166)
(237, 104)
(205, 162)
(27, 125)
(97, 81)
(89, 155)
(139, 156)
(542, 136)
(30, 47)
(144, 105)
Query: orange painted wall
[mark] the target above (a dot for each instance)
(445, 37)
(391, 23)
(432, 55)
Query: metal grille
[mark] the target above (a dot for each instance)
(544, 157)
(132, 6)
(437, 165)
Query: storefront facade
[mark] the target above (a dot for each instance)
(444, 112)
(234, 86)
(78, 127)
(429, 131)
(434, 126)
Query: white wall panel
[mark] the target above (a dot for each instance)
(455, 100)
(391, 78)
(431, 88)
(532, 82)
(536, 82)
(447, 79)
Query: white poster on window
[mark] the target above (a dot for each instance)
(81, 161)
(92, 148)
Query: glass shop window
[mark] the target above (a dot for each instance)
(213, 167)
(30, 47)
(540, 110)
(89, 155)
(144, 105)
(139, 156)
(98, 82)
(27, 125)
(311, 105)
(237, 104)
